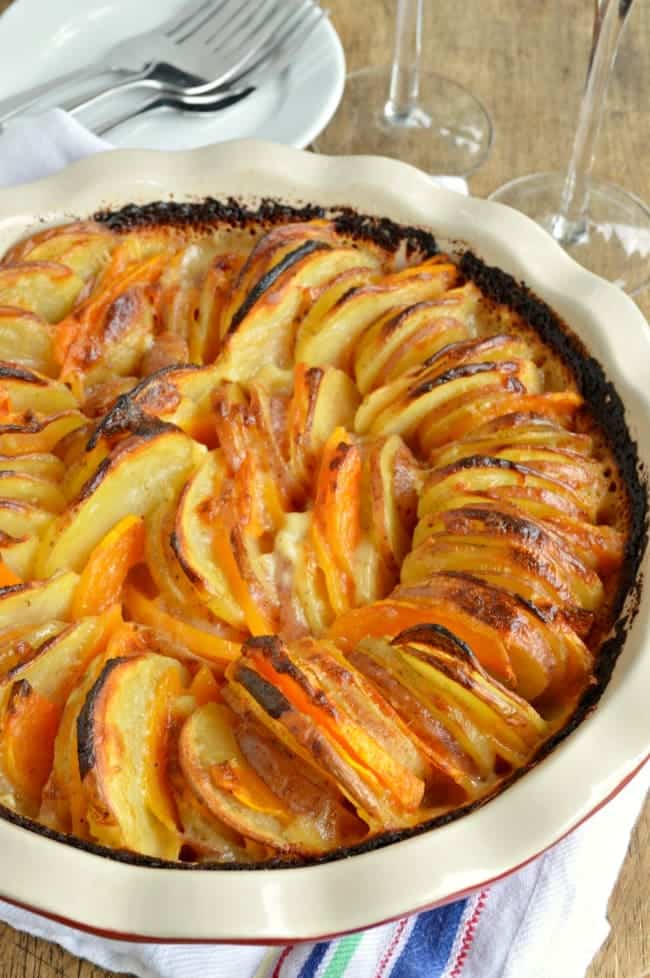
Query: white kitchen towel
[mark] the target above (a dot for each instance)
(545, 921)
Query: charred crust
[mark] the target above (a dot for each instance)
(268, 644)
(21, 689)
(175, 546)
(438, 637)
(340, 456)
(460, 347)
(496, 523)
(395, 321)
(385, 233)
(85, 732)
(466, 370)
(271, 277)
(273, 649)
(204, 214)
(13, 589)
(483, 461)
(9, 372)
(263, 692)
(129, 415)
(96, 478)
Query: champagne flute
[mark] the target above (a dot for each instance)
(405, 112)
(605, 228)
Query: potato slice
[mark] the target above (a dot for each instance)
(471, 412)
(38, 436)
(297, 815)
(63, 802)
(27, 340)
(465, 720)
(524, 429)
(140, 472)
(20, 519)
(402, 406)
(41, 464)
(391, 492)
(194, 543)
(45, 288)
(18, 553)
(498, 478)
(543, 547)
(31, 489)
(37, 601)
(541, 652)
(324, 398)
(175, 394)
(331, 340)
(28, 391)
(262, 329)
(83, 246)
(18, 645)
(386, 784)
(122, 733)
(405, 338)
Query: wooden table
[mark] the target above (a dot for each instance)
(526, 60)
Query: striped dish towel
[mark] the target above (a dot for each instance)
(546, 921)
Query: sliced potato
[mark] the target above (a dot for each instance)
(38, 436)
(262, 329)
(406, 337)
(18, 553)
(122, 731)
(37, 602)
(28, 340)
(45, 465)
(195, 545)
(45, 288)
(27, 390)
(296, 815)
(331, 340)
(59, 663)
(140, 472)
(31, 489)
(83, 246)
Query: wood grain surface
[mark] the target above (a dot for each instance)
(526, 60)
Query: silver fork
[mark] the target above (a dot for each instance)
(274, 61)
(177, 51)
(259, 65)
(250, 41)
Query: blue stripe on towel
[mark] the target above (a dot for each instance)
(310, 966)
(430, 943)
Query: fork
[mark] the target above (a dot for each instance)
(189, 48)
(249, 60)
(269, 66)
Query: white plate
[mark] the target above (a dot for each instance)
(66, 34)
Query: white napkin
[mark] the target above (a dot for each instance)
(545, 921)
(35, 146)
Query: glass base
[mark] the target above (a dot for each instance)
(447, 132)
(613, 238)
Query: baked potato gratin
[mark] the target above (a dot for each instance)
(304, 538)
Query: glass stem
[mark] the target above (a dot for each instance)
(569, 225)
(402, 108)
